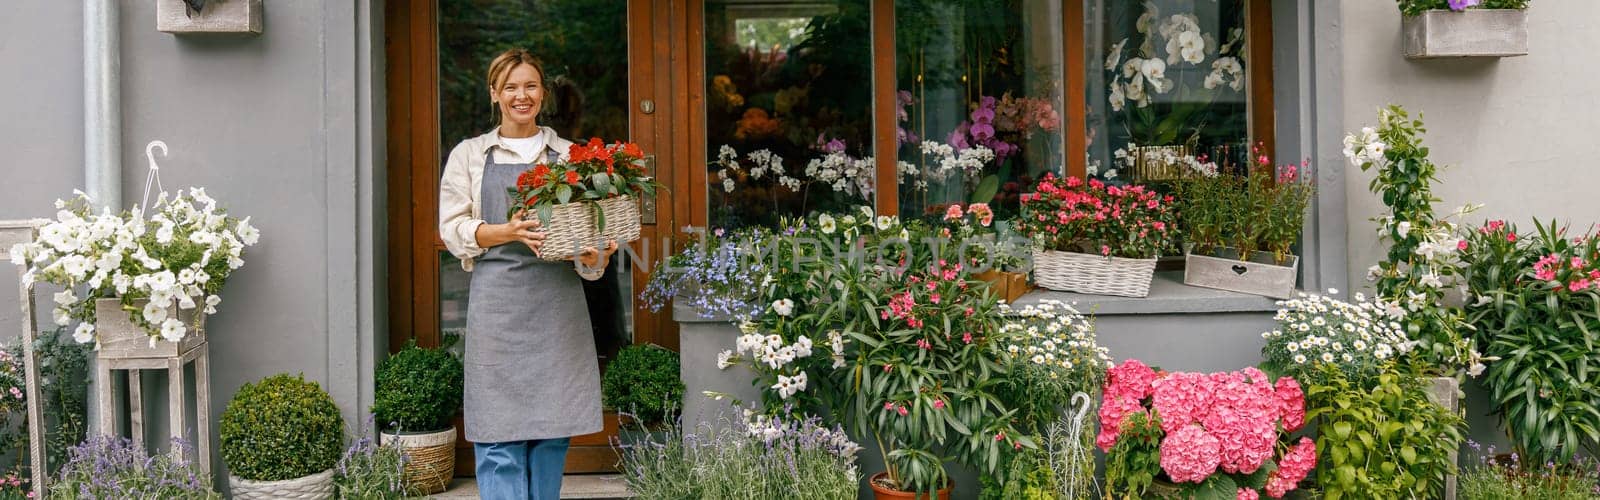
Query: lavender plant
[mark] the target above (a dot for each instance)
(753, 457)
(111, 467)
(372, 471)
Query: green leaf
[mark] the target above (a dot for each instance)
(564, 193)
(986, 189)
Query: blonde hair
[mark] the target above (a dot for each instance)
(500, 68)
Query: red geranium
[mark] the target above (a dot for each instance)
(588, 173)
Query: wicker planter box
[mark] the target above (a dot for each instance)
(430, 457)
(315, 486)
(120, 338)
(1093, 274)
(1257, 276)
(1470, 33)
(219, 16)
(574, 226)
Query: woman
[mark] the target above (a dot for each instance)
(531, 377)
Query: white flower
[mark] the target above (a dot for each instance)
(727, 185)
(155, 312)
(185, 301)
(785, 387)
(802, 347)
(1300, 359)
(1327, 357)
(1431, 280)
(884, 222)
(724, 359)
(1476, 369)
(1293, 346)
(798, 381)
(61, 316)
(783, 307)
(1114, 56)
(211, 303)
(1117, 98)
(65, 298)
(84, 334)
(826, 223)
(173, 330)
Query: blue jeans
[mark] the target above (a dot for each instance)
(519, 470)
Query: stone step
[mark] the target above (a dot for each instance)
(587, 486)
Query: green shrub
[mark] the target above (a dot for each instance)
(643, 381)
(418, 389)
(282, 427)
(1381, 438)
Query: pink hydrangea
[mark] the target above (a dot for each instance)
(1293, 467)
(1113, 410)
(1190, 455)
(1180, 399)
(1131, 379)
(1291, 404)
(1248, 494)
(1243, 415)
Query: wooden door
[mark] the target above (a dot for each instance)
(609, 75)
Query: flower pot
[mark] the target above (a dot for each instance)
(1470, 33)
(1446, 392)
(236, 16)
(576, 225)
(1257, 276)
(1007, 286)
(700, 338)
(315, 486)
(120, 338)
(1158, 163)
(430, 457)
(1094, 274)
(882, 492)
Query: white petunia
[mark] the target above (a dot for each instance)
(211, 303)
(61, 317)
(65, 298)
(826, 223)
(155, 312)
(84, 334)
(173, 330)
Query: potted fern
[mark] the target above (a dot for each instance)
(281, 437)
(418, 393)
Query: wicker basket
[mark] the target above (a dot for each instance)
(574, 226)
(1085, 273)
(430, 458)
(315, 486)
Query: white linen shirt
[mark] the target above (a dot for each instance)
(460, 213)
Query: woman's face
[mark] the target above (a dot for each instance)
(520, 96)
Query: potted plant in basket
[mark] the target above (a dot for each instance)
(1464, 28)
(1094, 238)
(148, 278)
(643, 383)
(585, 199)
(1199, 435)
(1241, 230)
(281, 436)
(418, 393)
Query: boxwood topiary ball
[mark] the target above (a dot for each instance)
(418, 390)
(643, 381)
(283, 427)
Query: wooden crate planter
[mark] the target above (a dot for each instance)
(1008, 286)
(218, 17)
(1470, 33)
(120, 338)
(1257, 276)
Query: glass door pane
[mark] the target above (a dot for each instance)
(583, 47)
(788, 108)
(979, 102)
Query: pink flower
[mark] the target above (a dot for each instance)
(924, 344)
(934, 298)
(1461, 245)
(1105, 250)
(1001, 436)
(887, 367)
(953, 213)
(1291, 404)
(1293, 467)
(1180, 399)
(967, 337)
(903, 411)
(888, 405)
(1574, 286)
(1511, 237)
(1190, 455)
(1248, 494)
(1112, 413)
(938, 404)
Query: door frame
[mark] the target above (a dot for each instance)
(411, 49)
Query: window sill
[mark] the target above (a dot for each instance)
(1168, 295)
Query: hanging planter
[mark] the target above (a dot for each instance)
(208, 16)
(1469, 33)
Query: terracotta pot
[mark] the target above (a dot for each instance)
(882, 493)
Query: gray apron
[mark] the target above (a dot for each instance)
(531, 371)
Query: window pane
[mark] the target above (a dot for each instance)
(453, 287)
(1164, 76)
(979, 102)
(788, 109)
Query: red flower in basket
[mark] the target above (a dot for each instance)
(572, 177)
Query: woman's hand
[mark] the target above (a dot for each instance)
(517, 230)
(595, 259)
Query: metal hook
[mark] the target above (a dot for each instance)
(149, 153)
(153, 179)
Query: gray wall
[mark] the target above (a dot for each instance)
(285, 127)
(1514, 134)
